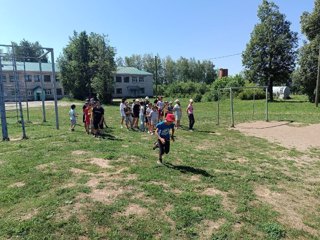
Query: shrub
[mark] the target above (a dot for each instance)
(249, 93)
(197, 97)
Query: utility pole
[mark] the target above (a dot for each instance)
(318, 81)
(156, 64)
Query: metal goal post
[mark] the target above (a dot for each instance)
(231, 94)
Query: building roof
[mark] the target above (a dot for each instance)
(30, 66)
(47, 67)
(131, 71)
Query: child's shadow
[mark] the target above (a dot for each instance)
(185, 169)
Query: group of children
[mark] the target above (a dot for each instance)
(144, 115)
(156, 118)
(93, 117)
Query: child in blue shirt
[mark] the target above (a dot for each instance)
(163, 134)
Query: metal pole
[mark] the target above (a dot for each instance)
(231, 108)
(218, 107)
(42, 93)
(267, 110)
(156, 66)
(26, 90)
(318, 81)
(5, 136)
(254, 97)
(54, 89)
(24, 136)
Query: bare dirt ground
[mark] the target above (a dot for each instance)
(289, 135)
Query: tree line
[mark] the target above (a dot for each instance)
(271, 57)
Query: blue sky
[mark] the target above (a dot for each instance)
(203, 29)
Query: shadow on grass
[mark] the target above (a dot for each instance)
(188, 169)
(106, 134)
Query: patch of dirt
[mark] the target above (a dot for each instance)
(78, 152)
(286, 134)
(29, 215)
(109, 194)
(78, 171)
(291, 205)
(141, 196)
(163, 213)
(17, 185)
(208, 227)
(76, 208)
(226, 203)
(46, 166)
(103, 163)
(205, 145)
(135, 209)
(1, 162)
(195, 178)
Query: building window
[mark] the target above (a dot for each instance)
(29, 93)
(48, 91)
(36, 78)
(13, 92)
(28, 78)
(126, 79)
(119, 79)
(59, 91)
(134, 79)
(11, 78)
(141, 90)
(4, 78)
(47, 78)
(57, 79)
(119, 91)
(141, 79)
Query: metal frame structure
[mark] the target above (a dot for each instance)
(232, 105)
(5, 135)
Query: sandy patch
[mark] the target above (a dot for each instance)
(17, 185)
(46, 166)
(284, 133)
(78, 171)
(135, 209)
(29, 215)
(195, 178)
(78, 152)
(208, 227)
(163, 213)
(108, 194)
(103, 163)
(226, 203)
(291, 206)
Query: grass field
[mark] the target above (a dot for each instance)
(216, 183)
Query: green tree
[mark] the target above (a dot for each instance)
(306, 73)
(28, 51)
(270, 55)
(87, 66)
(170, 71)
(102, 66)
(134, 61)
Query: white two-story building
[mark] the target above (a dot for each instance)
(132, 82)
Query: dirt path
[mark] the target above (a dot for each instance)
(289, 135)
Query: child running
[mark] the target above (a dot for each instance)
(163, 134)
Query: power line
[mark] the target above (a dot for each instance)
(226, 56)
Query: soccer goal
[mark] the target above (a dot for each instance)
(254, 108)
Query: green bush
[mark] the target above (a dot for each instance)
(249, 93)
(197, 97)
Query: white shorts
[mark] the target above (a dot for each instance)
(122, 114)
